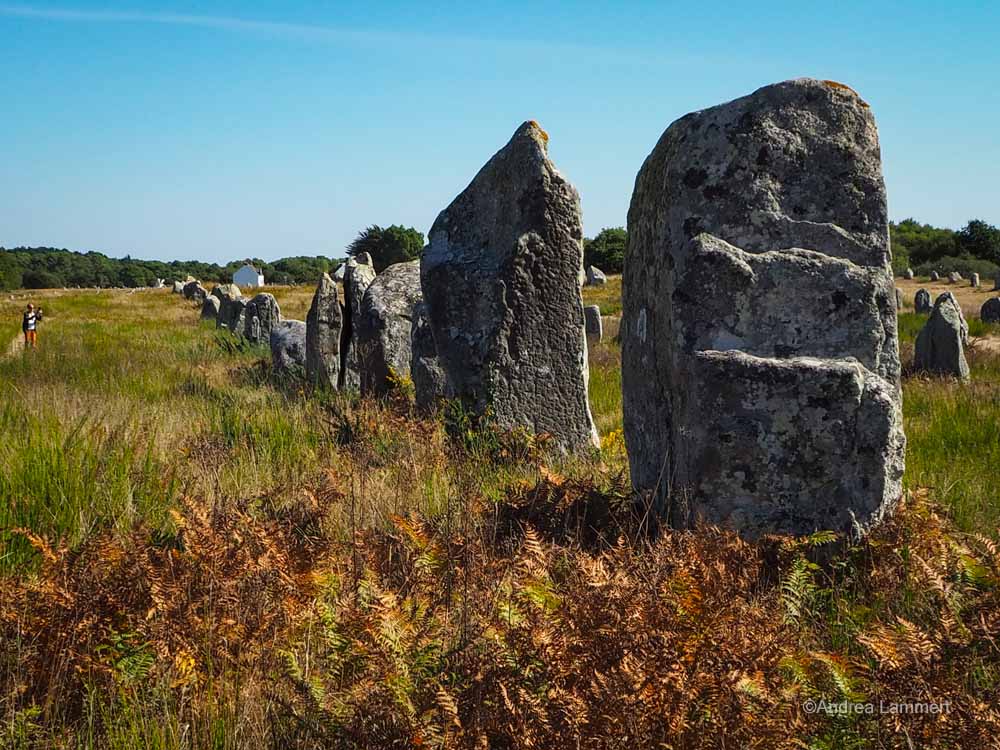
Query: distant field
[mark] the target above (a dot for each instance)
(197, 554)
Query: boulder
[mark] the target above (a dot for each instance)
(324, 328)
(262, 314)
(194, 291)
(210, 308)
(357, 278)
(940, 346)
(226, 290)
(922, 301)
(990, 311)
(935, 276)
(430, 383)
(593, 323)
(954, 277)
(501, 277)
(908, 273)
(384, 327)
(288, 346)
(177, 288)
(232, 311)
(596, 277)
(760, 359)
(974, 281)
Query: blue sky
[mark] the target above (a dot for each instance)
(223, 130)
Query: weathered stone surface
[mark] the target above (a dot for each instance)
(759, 345)
(364, 259)
(501, 277)
(231, 313)
(592, 323)
(177, 288)
(990, 311)
(210, 308)
(940, 346)
(922, 301)
(357, 278)
(226, 290)
(935, 276)
(974, 280)
(430, 383)
(324, 328)
(194, 291)
(899, 298)
(596, 277)
(288, 346)
(338, 275)
(262, 314)
(954, 277)
(908, 273)
(384, 327)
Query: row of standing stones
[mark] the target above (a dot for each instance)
(760, 358)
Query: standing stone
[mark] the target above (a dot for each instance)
(194, 291)
(990, 311)
(899, 299)
(262, 314)
(430, 383)
(288, 346)
(760, 360)
(357, 279)
(226, 290)
(210, 308)
(324, 327)
(338, 275)
(501, 276)
(177, 288)
(974, 281)
(593, 324)
(954, 277)
(232, 311)
(908, 273)
(596, 277)
(940, 346)
(384, 327)
(935, 276)
(922, 301)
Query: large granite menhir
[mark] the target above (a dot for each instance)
(383, 327)
(358, 276)
(501, 278)
(324, 327)
(760, 356)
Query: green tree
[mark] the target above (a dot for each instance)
(394, 244)
(10, 271)
(980, 240)
(606, 250)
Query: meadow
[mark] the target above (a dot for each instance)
(195, 553)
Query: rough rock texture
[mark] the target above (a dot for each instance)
(357, 278)
(592, 323)
(974, 280)
(226, 290)
(990, 311)
(430, 383)
(288, 346)
(954, 277)
(760, 372)
(935, 276)
(194, 291)
(501, 277)
(384, 327)
(177, 288)
(596, 277)
(922, 301)
(364, 259)
(324, 327)
(940, 346)
(231, 314)
(338, 275)
(908, 274)
(261, 316)
(210, 308)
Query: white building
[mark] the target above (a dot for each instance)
(247, 275)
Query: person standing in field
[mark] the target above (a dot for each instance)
(29, 325)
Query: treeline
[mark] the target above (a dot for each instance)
(48, 268)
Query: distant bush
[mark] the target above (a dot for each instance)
(606, 250)
(395, 244)
(965, 266)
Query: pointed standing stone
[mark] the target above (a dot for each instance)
(357, 278)
(940, 346)
(594, 325)
(324, 327)
(384, 327)
(501, 278)
(922, 301)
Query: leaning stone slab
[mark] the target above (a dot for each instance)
(261, 316)
(430, 383)
(990, 311)
(760, 360)
(501, 277)
(940, 346)
(357, 278)
(210, 308)
(596, 277)
(593, 324)
(324, 328)
(922, 301)
(288, 346)
(384, 327)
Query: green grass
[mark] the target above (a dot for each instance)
(608, 297)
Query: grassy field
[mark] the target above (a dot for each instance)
(196, 554)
